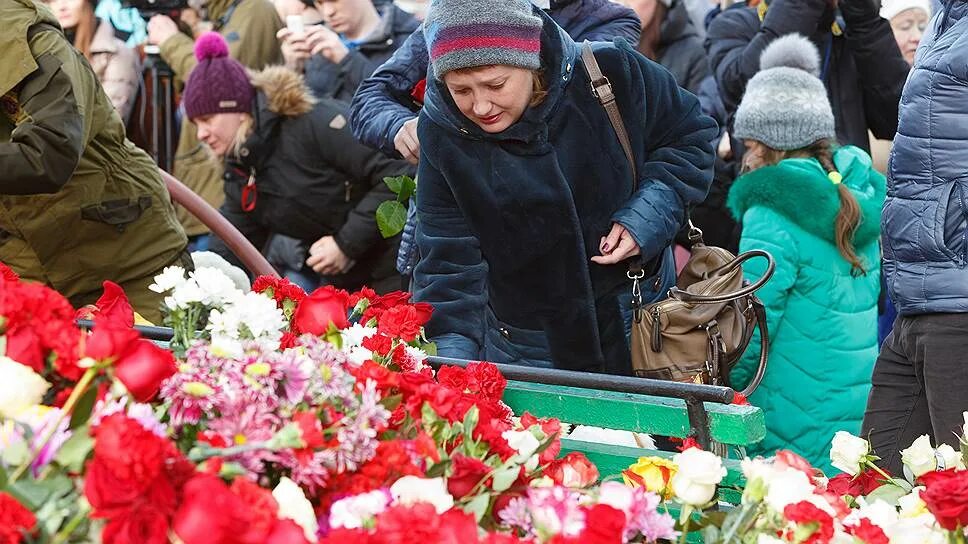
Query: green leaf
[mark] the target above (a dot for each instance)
(470, 423)
(407, 189)
(887, 493)
(439, 469)
(427, 415)
(430, 349)
(394, 183)
(83, 408)
(391, 217)
(504, 477)
(35, 493)
(75, 451)
(478, 506)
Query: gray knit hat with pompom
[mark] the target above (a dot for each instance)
(785, 105)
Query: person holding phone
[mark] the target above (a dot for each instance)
(354, 40)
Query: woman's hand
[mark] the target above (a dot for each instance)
(160, 29)
(327, 259)
(617, 246)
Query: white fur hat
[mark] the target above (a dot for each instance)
(890, 8)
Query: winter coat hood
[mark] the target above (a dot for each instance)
(676, 26)
(285, 91)
(792, 184)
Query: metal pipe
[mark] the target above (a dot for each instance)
(157, 334)
(606, 382)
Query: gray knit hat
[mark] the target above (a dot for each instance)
(785, 105)
(469, 33)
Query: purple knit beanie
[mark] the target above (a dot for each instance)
(218, 83)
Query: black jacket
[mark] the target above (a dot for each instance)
(864, 75)
(681, 50)
(340, 81)
(312, 178)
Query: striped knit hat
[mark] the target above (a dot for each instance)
(469, 33)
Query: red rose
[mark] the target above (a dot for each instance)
(805, 513)
(15, 519)
(467, 473)
(324, 307)
(552, 429)
(400, 322)
(946, 496)
(209, 512)
(109, 339)
(868, 533)
(23, 346)
(855, 486)
(143, 367)
(573, 470)
(114, 306)
(142, 525)
(7, 274)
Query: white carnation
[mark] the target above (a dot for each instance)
(353, 512)
(217, 288)
(354, 336)
(170, 277)
(411, 490)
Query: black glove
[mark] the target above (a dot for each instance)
(789, 16)
(859, 15)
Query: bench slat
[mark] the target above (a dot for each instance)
(729, 424)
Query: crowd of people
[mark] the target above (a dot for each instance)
(542, 186)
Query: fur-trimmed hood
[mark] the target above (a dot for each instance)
(800, 190)
(285, 91)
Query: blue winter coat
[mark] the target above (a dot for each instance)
(508, 222)
(924, 219)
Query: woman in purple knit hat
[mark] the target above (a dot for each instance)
(293, 169)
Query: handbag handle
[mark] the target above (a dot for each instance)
(760, 312)
(602, 89)
(685, 296)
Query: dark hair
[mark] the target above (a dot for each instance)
(848, 217)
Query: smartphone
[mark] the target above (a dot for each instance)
(295, 24)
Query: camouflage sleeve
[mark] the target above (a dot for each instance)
(49, 135)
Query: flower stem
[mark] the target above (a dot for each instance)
(76, 394)
(880, 471)
(64, 534)
(685, 516)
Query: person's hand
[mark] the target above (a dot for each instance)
(160, 28)
(327, 259)
(617, 246)
(294, 47)
(325, 42)
(406, 141)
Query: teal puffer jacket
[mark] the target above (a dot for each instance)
(822, 320)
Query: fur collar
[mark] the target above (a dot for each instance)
(285, 90)
(799, 190)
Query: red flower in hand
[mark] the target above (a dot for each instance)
(946, 496)
(324, 307)
(15, 519)
(419, 90)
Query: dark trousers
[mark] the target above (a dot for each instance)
(920, 386)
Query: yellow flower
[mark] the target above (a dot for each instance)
(655, 473)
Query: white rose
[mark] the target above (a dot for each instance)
(911, 505)
(922, 529)
(964, 430)
(294, 505)
(20, 387)
(522, 442)
(948, 458)
(786, 487)
(411, 489)
(919, 457)
(353, 512)
(699, 473)
(847, 452)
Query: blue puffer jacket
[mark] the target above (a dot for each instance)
(924, 219)
(380, 106)
(508, 222)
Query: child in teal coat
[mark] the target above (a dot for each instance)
(816, 209)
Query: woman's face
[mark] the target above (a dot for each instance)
(908, 27)
(493, 97)
(218, 130)
(754, 158)
(69, 12)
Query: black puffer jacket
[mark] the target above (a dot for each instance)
(863, 69)
(680, 49)
(312, 178)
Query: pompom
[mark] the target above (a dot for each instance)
(211, 45)
(792, 51)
